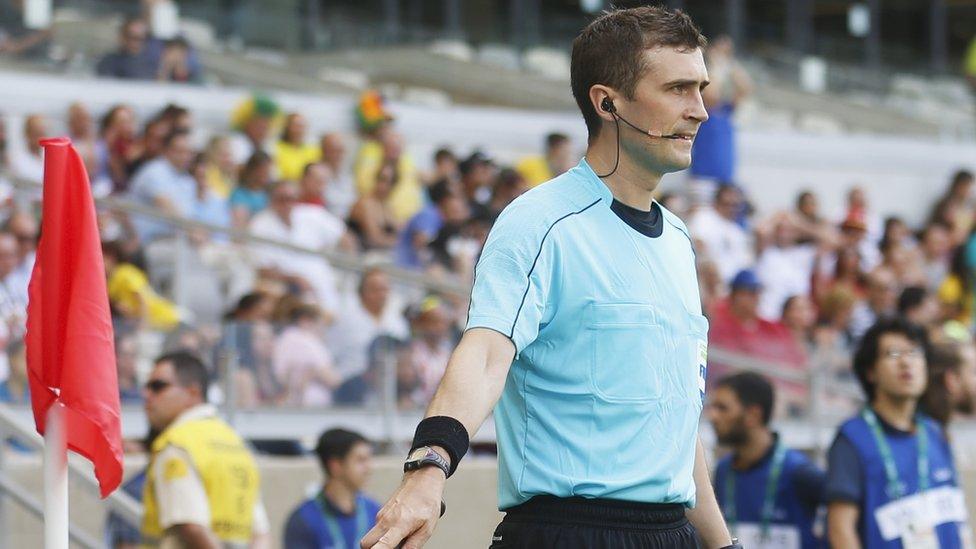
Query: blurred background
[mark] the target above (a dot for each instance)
(313, 233)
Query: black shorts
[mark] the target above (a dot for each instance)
(579, 523)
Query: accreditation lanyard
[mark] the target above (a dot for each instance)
(769, 498)
(362, 521)
(895, 487)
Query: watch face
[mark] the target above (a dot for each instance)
(417, 454)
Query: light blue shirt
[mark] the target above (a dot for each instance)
(605, 392)
(159, 178)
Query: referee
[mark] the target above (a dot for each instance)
(585, 327)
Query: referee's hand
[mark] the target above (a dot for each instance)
(409, 516)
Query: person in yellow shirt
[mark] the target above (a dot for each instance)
(557, 159)
(202, 483)
(292, 152)
(221, 171)
(130, 294)
(407, 196)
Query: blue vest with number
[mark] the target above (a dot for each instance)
(904, 449)
(750, 491)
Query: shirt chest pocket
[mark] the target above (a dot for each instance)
(629, 348)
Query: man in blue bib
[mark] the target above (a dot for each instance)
(769, 494)
(891, 482)
(340, 514)
(585, 327)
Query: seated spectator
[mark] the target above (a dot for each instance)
(903, 260)
(292, 152)
(81, 130)
(301, 361)
(881, 300)
(799, 317)
(23, 227)
(150, 144)
(431, 346)
(221, 170)
(251, 196)
(812, 226)
(370, 314)
(115, 149)
(120, 533)
(406, 197)
(208, 207)
(131, 296)
(478, 173)
(300, 225)
(954, 209)
(920, 307)
(557, 159)
(249, 332)
(785, 267)
(127, 365)
(445, 166)
(371, 218)
(13, 288)
(16, 388)
(508, 186)
(854, 234)
(346, 461)
(936, 248)
(847, 272)
(28, 163)
(165, 184)
(253, 121)
(445, 206)
(340, 194)
(956, 291)
(16, 39)
(834, 325)
(313, 183)
(176, 62)
(722, 238)
(737, 327)
(132, 60)
(857, 208)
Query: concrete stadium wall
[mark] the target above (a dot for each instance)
(470, 496)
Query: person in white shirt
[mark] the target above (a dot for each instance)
(367, 315)
(28, 163)
(302, 225)
(301, 361)
(340, 193)
(725, 241)
(785, 269)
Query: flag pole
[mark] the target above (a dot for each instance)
(55, 480)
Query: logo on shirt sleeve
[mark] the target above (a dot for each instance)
(702, 366)
(175, 468)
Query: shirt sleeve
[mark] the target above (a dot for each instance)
(180, 495)
(297, 533)
(260, 524)
(844, 474)
(513, 279)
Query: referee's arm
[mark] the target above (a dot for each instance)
(471, 385)
(707, 516)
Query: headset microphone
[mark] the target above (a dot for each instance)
(608, 106)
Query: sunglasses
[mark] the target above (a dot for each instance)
(157, 386)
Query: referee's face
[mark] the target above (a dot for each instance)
(667, 101)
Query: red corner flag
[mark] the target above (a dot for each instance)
(70, 347)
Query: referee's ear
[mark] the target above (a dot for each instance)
(599, 93)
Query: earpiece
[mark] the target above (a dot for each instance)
(607, 105)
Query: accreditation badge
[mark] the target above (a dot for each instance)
(777, 536)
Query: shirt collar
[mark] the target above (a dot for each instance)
(766, 457)
(200, 411)
(593, 181)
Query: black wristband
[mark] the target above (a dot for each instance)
(446, 432)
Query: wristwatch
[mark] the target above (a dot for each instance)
(426, 456)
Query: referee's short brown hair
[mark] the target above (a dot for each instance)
(610, 51)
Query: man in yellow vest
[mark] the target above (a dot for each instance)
(202, 485)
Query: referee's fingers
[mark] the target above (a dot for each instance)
(382, 538)
(417, 539)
